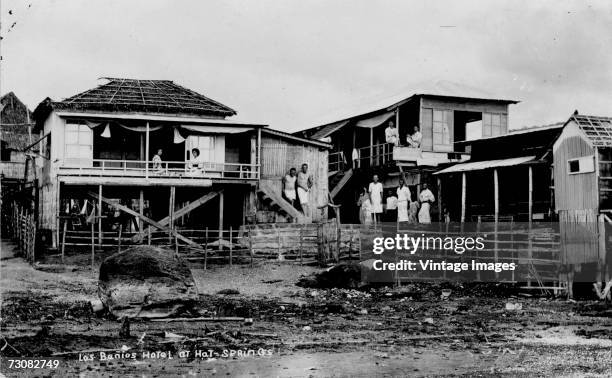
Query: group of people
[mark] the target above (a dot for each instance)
(392, 136)
(297, 186)
(195, 164)
(399, 205)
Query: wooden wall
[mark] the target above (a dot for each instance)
(464, 105)
(577, 191)
(279, 155)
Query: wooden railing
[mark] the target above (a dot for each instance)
(164, 169)
(336, 161)
(12, 169)
(376, 155)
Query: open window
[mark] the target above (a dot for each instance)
(79, 144)
(583, 164)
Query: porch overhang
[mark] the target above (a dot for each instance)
(157, 118)
(487, 164)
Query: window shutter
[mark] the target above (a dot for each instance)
(427, 129)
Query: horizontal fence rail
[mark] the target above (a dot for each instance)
(164, 169)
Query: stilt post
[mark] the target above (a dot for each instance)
(496, 194)
(463, 195)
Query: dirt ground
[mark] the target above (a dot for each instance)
(410, 331)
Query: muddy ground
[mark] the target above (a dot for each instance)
(410, 331)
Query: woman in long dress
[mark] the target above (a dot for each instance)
(375, 191)
(413, 212)
(403, 201)
(365, 207)
(427, 198)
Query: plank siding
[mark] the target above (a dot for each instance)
(577, 191)
(279, 155)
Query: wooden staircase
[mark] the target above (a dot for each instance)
(276, 201)
(338, 181)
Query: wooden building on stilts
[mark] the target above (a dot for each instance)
(447, 115)
(508, 177)
(126, 148)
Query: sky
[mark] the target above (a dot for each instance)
(294, 64)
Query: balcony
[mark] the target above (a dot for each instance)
(166, 173)
(14, 170)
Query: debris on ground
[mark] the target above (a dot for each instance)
(146, 282)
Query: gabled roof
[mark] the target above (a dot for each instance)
(294, 138)
(148, 96)
(13, 111)
(597, 129)
(439, 89)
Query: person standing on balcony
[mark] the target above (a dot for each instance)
(289, 186)
(304, 183)
(403, 200)
(391, 134)
(157, 161)
(427, 198)
(416, 138)
(375, 190)
(355, 158)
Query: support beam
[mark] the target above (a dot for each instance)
(171, 211)
(100, 216)
(371, 147)
(221, 204)
(496, 193)
(530, 212)
(258, 153)
(397, 123)
(144, 218)
(347, 176)
(147, 151)
(141, 210)
(440, 207)
(185, 210)
(463, 195)
(190, 207)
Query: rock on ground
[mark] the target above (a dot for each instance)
(146, 281)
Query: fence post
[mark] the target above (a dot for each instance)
(279, 243)
(205, 248)
(119, 238)
(64, 239)
(148, 235)
(176, 246)
(93, 246)
(250, 228)
(301, 245)
(34, 232)
(231, 247)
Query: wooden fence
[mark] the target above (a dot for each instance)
(298, 243)
(21, 227)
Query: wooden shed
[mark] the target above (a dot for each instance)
(583, 169)
(280, 152)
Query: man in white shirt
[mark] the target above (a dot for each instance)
(289, 186)
(391, 207)
(391, 134)
(427, 199)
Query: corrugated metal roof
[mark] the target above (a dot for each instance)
(597, 129)
(486, 164)
(328, 130)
